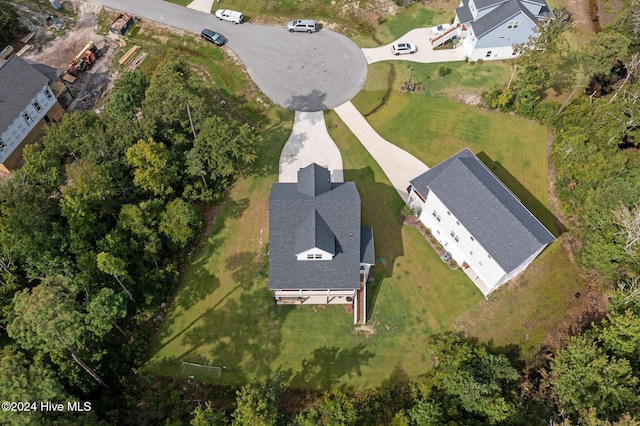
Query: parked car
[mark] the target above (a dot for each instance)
(403, 48)
(446, 256)
(440, 28)
(229, 15)
(304, 25)
(213, 37)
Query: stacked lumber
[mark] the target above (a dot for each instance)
(129, 55)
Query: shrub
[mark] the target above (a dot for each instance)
(407, 211)
(443, 70)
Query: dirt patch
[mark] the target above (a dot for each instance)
(365, 329)
(57, 50)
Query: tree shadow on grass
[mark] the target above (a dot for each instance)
(380, 210)
(550, 221)
(329, 365)
(243, 334)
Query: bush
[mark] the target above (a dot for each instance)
(443, 70)
(407, 211)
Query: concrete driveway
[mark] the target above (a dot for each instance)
(425, 54)
(308, 143)
(399, 166)
(302, 72)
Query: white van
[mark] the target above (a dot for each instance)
(229, 15)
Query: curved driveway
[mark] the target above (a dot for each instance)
(302, 72)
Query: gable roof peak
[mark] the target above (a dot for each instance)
(314, 180)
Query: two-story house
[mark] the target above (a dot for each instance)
(318, 251)
(474, 216)
(488, 29)
(27, 103)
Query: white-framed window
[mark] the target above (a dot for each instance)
(513, 25)
(454, 236)
(27, 117)
(310, 257)
(435, 214)
(37, 106)
(472, 239)
(508, 38)
(488, 54)
(318, 256)
(471, 253)
(438, 218)
(48, 93)
(472, 7)
(448, 212)
(2, 145)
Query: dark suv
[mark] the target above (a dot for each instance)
(213, 37)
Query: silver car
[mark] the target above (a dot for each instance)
(303, 25)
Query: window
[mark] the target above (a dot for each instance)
(2, 145)
(480, 263)
(27, 117)
(453, 234)
(448, 212)
(489, 256)
(508, 38)
(471, 253)
(458, 222)
(513, 24)
(488, 54)
(472, 239)
(501, 37)
(438, 218)
(434, 214)
(318, 256)
(37, 106)
(48, 93)
(310, 257)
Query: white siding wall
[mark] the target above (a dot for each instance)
(20, 128)
(465, 249)
(315, 252)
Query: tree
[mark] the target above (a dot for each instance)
(10, 25)
(127, 94)
(154, 168)
(26, 380)
(257, 402)
(602, 51)
(180, 222)
(47, 319)
(583, 376)
(113, 266)
(220, 151)
(103, 311)
(208, 416)
(629, 221)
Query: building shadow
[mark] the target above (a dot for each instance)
(539, 210)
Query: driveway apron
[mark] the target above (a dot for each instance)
(421, 37)
(308, 143)
(399, 166)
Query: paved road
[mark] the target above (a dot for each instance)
(302, 72)
(310, 143)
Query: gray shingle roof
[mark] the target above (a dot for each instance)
(464, 13)
(486, 208)
(19, 84)
(367, 254)
(501, 14)
(314, 232)
(290, 207)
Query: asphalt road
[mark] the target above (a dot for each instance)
(300, 71)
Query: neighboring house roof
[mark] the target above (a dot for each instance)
(330, 215)
(51, 73)
(464, 13)
(19, 83)
(502, 13)
(366, 246)
(486, 208)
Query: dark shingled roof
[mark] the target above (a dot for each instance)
(486, 208)
(314, 232)
(502, 13)
(19, 84)
(464, 13)
(290, 208)
(367, 254)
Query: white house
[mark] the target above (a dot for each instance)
(488, 29)
(27, 103)
(475, 217)
(318, 251)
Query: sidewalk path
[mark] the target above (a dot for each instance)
(308, 143)
(425, 54)
(399, 166)
(201, 5)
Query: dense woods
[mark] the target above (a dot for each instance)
(93, 232)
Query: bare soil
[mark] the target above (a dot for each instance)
(57, 50)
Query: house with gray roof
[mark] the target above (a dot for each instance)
(27, 103)
(478, 220)
(319, 253)
(488, 29)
